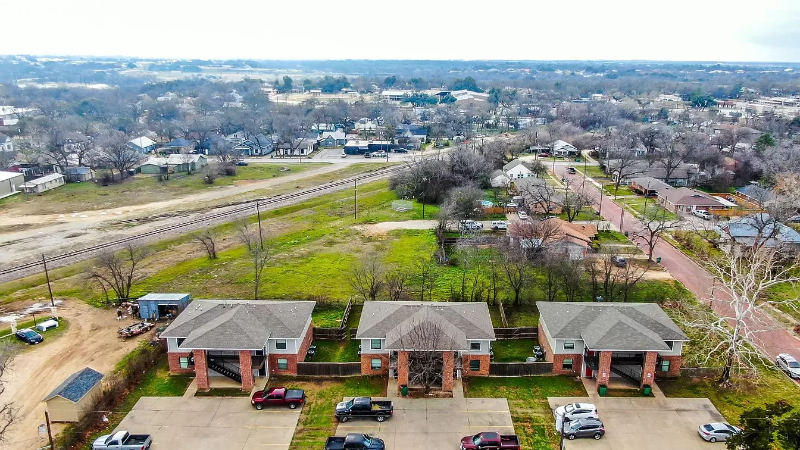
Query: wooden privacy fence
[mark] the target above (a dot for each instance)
(497, 369)
(329, 369)
(335, 334)
(516, 333)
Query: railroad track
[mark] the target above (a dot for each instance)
(245, 207)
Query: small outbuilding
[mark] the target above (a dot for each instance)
(11, 183)
(153, 306)
(68, 401)
(44, 183)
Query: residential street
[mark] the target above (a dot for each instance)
(773, 337)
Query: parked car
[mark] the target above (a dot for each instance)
(590, 427)
(499, 225)
(490, 441)
(701, 213)
(364, 407)
(788, 364)
(571, 170)
(619, 261)
(575, 411)
(354, 441)
(278, 396)
(401, 150)
(122, 440)
(512, 205)
(544, 155)
(343, 155)
(29, 336)
(471, 225)
(242, 163)
(367, 155)
(380, 154)
(522, 215)
(46, 325)
(717, 431)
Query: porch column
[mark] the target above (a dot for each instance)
(603, 368)
(246, 370)
(447, 371)
(402, 368)
(649, 369)
(201, 369)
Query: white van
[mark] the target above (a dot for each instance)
(46, 325)
(499, 225)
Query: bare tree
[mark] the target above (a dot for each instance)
(7, 411)
(396, 282)
(253, 241)
(367, 278)
(426, 268)
(114, 153)
(515, 268)
(609, 282)
(540, 194)
(208, 239)
(533, 236)
(744, 278)
(117, 271)
(575, 200)
(652, 225)
(426, 336)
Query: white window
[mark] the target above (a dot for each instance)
(567, 364)
(375, 344)
(184, 362)
(376, 364)
(569, 345)
(280, 344)
(283, 363)
(475, 346)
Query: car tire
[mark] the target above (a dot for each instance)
(292, 405)
(712, 439)
(259, 406)
(343, 419)
(571, 437)
(380, 418)
(597, 436)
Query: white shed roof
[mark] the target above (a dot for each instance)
(9, 175)
(45, 179)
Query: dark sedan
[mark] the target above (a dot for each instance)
(585, 428)
(29, 336)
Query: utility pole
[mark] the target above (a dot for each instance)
(47, 276)
(260, 235)
(355, 199)
(49, 432)
(621, 219)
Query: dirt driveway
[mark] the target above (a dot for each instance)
(90, 341)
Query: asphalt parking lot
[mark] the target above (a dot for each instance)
(651, 423)
(178, 423)
(435, 423)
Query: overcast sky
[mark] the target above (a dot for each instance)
(685, 30)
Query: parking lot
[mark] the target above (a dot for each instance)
(651, 423)
(435, 423)
(178, 423)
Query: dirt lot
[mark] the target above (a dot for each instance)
(90, 341)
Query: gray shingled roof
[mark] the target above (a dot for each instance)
(238, 324)
(77, 385)
(392, 320)
(426, 329)
(611, 326)
(650, 183)
(515, 163)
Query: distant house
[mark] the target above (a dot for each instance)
(412, 131)
(565, 149)
(365, 124)
(757, 229)
(78, 174)
(361, 147)
(256, 146)
(300, 147)
(572, 240)
(517, 169)
(498, 178)
(685, 200)
(332, 138)
(43, 184)
(682, 175)
(11, 183)
(142, 144)
(469, 99)
(174, 163)
(394, 95)
(648, 186)
(178, 146)
(6, 144)
(71, 399)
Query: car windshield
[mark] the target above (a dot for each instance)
(29, 334)
(733, 429)
(569, 408)
(350, 403)
(794, 364)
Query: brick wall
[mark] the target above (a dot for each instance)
(366, 364)
(305, 344)
(649, 368)
(246, 370)
(485, 361)
(402, 368)
(558, 363)
(604, 368)
(674, 367)
(175, 363)
(447, 371)
(201, 369)
(548, 352)
(273, 364)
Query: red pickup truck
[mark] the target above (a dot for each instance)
(278, 396)
(490, 441)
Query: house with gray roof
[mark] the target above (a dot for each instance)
(757, 230)
(69, 400)
(393, 334)
(636, 342)
(685, 200)
(517, 169)
(239, 339)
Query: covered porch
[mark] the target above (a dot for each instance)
(620, 369)
(241, 367)
(434, 368)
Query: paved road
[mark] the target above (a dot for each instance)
(772, 338)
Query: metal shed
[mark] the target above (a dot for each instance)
(154, 306)
(68, 402)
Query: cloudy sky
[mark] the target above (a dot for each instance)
(685, 30)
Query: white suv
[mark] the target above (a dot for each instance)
(701, 213)
(788, 364)
(574, 411)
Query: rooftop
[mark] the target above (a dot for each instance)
(9, 175)
(45, 179)
(160, 296)
(77, 385)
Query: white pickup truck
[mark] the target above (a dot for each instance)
(122, 440)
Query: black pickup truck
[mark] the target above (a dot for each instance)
(364, 407)
(354, 441)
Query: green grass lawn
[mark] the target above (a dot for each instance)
(638, 205)
(328, 315)
(521, 316)
(527, 399)
(317, 421)
(513, 350)
(593, 171)
(49, 336)
(336, 351)
(623, 190)
(614, 237)
(586, 214)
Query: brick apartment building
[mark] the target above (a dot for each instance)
(239, 339)
(636, 341)
(393, 335)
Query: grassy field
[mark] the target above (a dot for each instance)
(49, 336)
(586, 214)
(594, 172)
(138, 190)
(513, 350)
(623, 190)
(638, 204)
(336, 351)
(527, 399)
(317, 421)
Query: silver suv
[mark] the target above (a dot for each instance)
(788, 364)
